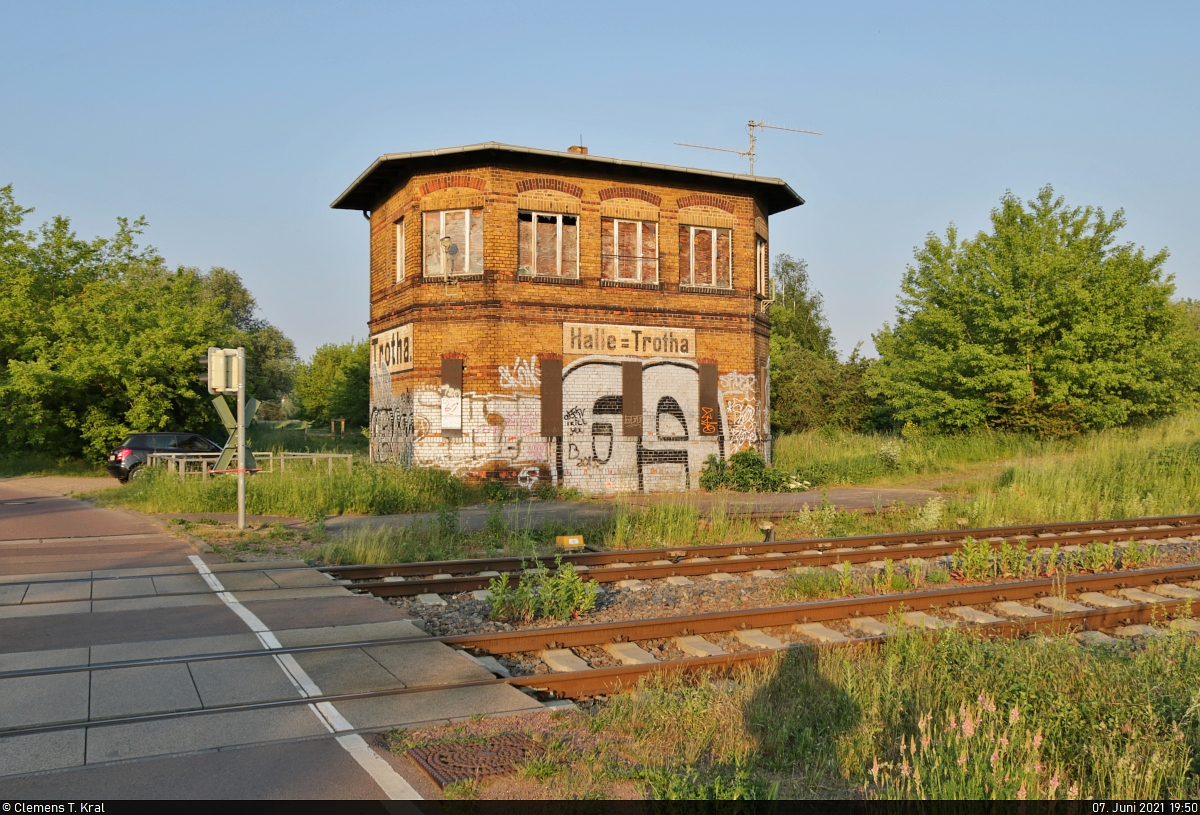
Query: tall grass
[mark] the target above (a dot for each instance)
(291, 437)
(307, 493)
(34, 464)
(439, 540)
(1115, 474)
(831, 457)
(1112, 722)
(675, 523)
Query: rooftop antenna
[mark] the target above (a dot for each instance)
(749, 153)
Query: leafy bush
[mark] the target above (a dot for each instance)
(746, 471)
(1044, 325)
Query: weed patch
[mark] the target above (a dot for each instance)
(559, 595)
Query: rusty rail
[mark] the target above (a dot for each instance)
(535, 639)
(763, 556)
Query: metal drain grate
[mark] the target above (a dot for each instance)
(461, 761)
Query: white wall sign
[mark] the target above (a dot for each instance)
(393, 348)
(629, 340)
(451, 409)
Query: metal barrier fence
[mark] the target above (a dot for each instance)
(284, 458)
(201, 464)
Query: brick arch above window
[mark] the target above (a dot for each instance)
(631, 192)
(702, 199)
(447, 181)
(554, 184)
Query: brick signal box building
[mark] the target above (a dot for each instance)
(549, 317)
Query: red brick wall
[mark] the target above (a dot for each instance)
(501, 324)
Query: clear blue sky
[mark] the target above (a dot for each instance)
(232, 126)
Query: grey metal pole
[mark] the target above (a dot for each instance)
(241, 441)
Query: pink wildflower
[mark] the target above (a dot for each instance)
(1037, 740)
(1021, 792)
(995, 758)
(952, 724)
(925, 740)
(1037, 766)
(916, 774)
(962, 760)
(968, 727)
(904, 768)
(1053, 783)
(1073, 792)
(1004, 740)
(1013, 715)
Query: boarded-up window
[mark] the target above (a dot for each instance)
(762, 264)
(399, 250)
(706, 256)
(464, 254)
(547, 244)
(631, 398)
(552, 414)
(452, 377)
(709, 409)
(629, 250)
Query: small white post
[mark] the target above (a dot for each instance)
(241, 436)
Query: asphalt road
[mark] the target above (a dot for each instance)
(82, 586)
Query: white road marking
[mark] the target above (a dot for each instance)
(392, 783)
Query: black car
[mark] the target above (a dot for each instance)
(127, 459)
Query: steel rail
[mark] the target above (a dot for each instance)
(611, 680)
(745, 563)
(608, 680)
(711, 622)
(536, 639)
(1167, 523)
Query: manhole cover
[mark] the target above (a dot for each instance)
(461, 761)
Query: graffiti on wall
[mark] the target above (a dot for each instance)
(500, 431)
(523, 374)
(739, 395)
(392, 428)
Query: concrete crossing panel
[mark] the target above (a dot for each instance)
(138, 691)
(205, 731)
(39, 752)
(30, 701)
(241, 681)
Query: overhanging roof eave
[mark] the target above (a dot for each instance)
(375, 181)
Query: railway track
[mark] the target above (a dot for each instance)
(452, 577)
(1127, 603)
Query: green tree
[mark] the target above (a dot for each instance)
(810, 387)
(1045, 324)
(335, 384)
(99, 339)
(270, 356)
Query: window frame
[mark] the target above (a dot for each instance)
(465, 252)
(558, 242)
(640, 257)
(692, 229)
(762, 261)
(401, 247)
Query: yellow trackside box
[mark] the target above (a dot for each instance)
(570, 541)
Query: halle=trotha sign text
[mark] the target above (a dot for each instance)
(628, 340)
